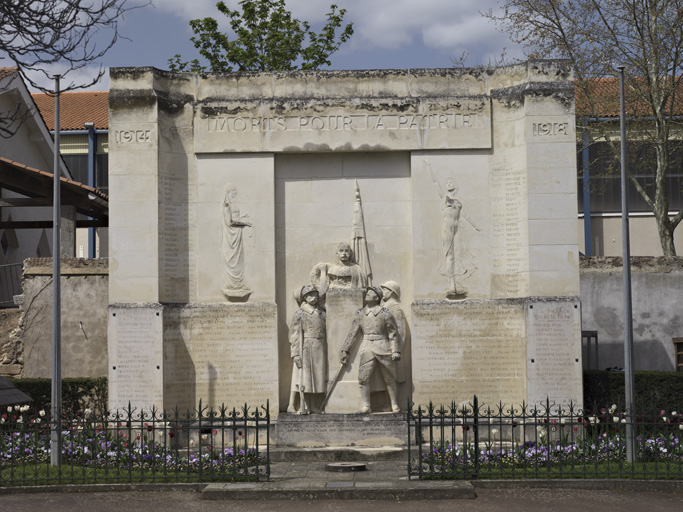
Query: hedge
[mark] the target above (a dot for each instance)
(78, 394)
(655, 390)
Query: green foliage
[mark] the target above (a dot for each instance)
(267, 38)
(78, 394)
(655, 391)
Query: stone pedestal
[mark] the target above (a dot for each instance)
(362, 430)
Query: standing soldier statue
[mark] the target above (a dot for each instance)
(380, 347)
(308, 350)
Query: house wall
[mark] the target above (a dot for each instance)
(657, 292)
(643, 235)
(23, 148)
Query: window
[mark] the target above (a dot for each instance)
(605, 178)
(678, 354)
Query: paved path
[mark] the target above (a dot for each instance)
(306, 486)
(487, 500)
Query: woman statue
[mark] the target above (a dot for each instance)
(234, 287)
(457, 261)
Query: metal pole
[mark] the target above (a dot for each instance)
(92, 150)
(56, 434)
(626, 252)
(586, 193)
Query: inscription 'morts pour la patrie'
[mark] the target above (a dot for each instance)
(440, 121)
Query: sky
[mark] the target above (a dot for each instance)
(388, 34)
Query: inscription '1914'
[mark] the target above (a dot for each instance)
(344, 122)
(131, 136)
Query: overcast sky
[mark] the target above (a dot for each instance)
(388, 33)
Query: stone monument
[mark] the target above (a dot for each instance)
(228, 190)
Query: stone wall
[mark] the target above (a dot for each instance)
(657, 293)
(84, 286)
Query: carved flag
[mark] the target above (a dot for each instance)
(360, 245)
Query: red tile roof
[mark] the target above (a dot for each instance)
(604, 93)
(75, 109)
(5, 72)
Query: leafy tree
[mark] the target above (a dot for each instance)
(645, 37)
(36, 35)
(267, 38)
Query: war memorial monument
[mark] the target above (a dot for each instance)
(343, 241)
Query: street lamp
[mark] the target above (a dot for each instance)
(626, 265)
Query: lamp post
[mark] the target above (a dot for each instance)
(626, 265)
(56, 409)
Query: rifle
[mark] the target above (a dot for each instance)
(302, 399)
(331, 386)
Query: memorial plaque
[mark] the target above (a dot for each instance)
(341, 307)
(553, 363)
(334, 125)
(510, 253)
(222, 354)
(468, 348)
(321, 430)
(135, 357)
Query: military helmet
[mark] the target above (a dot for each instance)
(393, 286)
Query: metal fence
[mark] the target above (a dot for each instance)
(137, 446)
(10, 283)
(467, 441)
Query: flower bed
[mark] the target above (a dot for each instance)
(144, 448)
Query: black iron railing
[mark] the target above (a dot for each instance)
(467, 441)
(137, 446)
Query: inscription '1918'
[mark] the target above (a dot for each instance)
(131, 136)
(541, 129)
(344, 122)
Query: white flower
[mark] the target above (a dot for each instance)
(615, 419)
(491, 420)
(9, 409)
(592, 419)
(674, 413)
(494, 431)
(87, 412)
(665, 418)
(613, 408)
(42, 413)
(2, 420)
(191, 442)
(20, 420)
(563, 421)
(37, 420)
(680, 426)
(25, 408)
(623, 420)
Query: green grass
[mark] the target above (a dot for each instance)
(44, 474)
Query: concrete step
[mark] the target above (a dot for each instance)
(339, 454)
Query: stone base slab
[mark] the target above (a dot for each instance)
(320, 430)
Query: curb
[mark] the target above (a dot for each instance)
(454, 491)
(666, 486)
(83, 488)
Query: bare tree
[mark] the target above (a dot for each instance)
(36, 35)
(645, 37)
